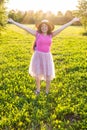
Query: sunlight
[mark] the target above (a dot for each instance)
(45, 5)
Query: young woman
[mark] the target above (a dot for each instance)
(42, 65)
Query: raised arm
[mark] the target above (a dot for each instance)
(31, 31)
(65, 26)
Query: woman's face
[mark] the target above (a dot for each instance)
(44, 28)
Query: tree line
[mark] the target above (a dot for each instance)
(31, 17)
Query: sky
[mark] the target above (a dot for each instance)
(44, 5)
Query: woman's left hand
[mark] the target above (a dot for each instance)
(76, 19)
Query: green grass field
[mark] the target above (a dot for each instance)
(65, 108)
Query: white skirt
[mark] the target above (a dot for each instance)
(42, 65)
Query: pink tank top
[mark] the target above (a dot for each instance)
(43, 42)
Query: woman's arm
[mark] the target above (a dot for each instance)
(65, 26)
(31, 31)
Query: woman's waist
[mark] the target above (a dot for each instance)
(43, 49)
(42, 52)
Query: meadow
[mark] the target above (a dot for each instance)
(65, 107)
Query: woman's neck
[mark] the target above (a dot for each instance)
(44, 34)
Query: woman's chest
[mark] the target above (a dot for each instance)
(44, 40)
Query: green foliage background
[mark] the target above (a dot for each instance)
(65, 108)
(3, 13)
(82, 12)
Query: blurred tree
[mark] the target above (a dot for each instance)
(69, 14)
(3, 15)
(50, 16)
(82, 12)
(59, 14)
(28, 17)
(17, 15)
(38, 16)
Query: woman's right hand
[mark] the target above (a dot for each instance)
(10, 20)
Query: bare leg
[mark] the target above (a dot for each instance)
(48, 81)
(38, 84)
